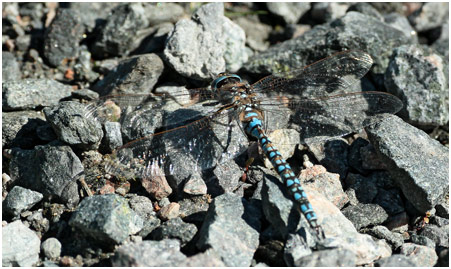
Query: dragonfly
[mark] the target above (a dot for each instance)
(211, 125)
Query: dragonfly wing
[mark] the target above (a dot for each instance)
(332, 116)
(198, 132)
(335, 73)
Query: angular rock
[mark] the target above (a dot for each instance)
(417, 77)
(135, 75)
(118, 33)
(197, 48)
(397, 260)
(209, 258)
(290, 12)
(62, 37)
(439, 235)
(10, 67)
(113, 136)
(231, 229)
(367, 9)
(19, 128)
(144, 208)
(195, 186)
(106, 218)
(325, 12)
(400, 144)
(175, 229)
(429, 16)
(363, 189)
(401, 23)
(169, 211)
(422, 240)
(50, 170)
(32, 93)
(328, 258)
(332, 154)
(165, 253)
(70, 124)
(363, 215)
(421, 255)
(381, 232)
(20, 245)
(20, 199)
(163, 12)
(295, 249)
(257, 33)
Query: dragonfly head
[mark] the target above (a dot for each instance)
(223, 79)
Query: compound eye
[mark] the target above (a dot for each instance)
(224, 79)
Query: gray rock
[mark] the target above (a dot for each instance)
(32, 93)
(163, 12)
(165, 253)
(421, 255)
(290, 12)
(257, 33)
(197, 48)
(40, 224)
(19, 128)
(396, 260)
(328, 258)
(62, 37)
(377, 39)
(400, 144)
(51, 248)
(401, 23)
(417, 77)
(325, 12)
(295, 249)
(439, 235)
(144, 208)
(209, 258)
(20, 199)
(10, 67)
(390, 200)
(443, 208)
(70, 124)
(367, 9)
(106, 218)
(381, 232)
(118, 33)
(429, 16)
(422, 240)
(113, 136)
(175, 229)
(194, 209)
(332, 154)
(354, 156)
(231, 228)
(85, 94)
(50, 170)
(137, 74)
(152, 39)
(195, 186)
(364, 189)
(20, 245)
(92, 12)
(363, 215)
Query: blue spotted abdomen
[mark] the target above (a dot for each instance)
(253, 127)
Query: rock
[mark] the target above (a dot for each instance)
(195, 186)
(93, 12)
(209, 258)
(364, 215)
(10, 67)
(50, 170)
(118, 33)
(70, 124)
(325, 12)
(32, 93)
(232, 235)
(19, 128)
(169, 211)
(257, 33)
(197, 48)
(290, 12)
(422, 240)
(400, 144)
(113, 137)
(439, 235)
(85, 94)
(421, 255)
(20, 245)
(390, 200)
(163, 12)
(328, 258)
(401, 23)
(165, 253)
(332, 154)
(175, 229)
(62, 37)
(363, 189)
(135, 75)
(417, 77)
(381, 232)
(367, 9)
(51, 248)
(285, 141)
(429, 16)
(106, 218)
(144, 208)
(397, 260)
(20, 199)
(295, 249)
(194, 209)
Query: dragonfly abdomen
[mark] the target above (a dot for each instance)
(253, 127)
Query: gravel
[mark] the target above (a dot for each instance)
(86, 182)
